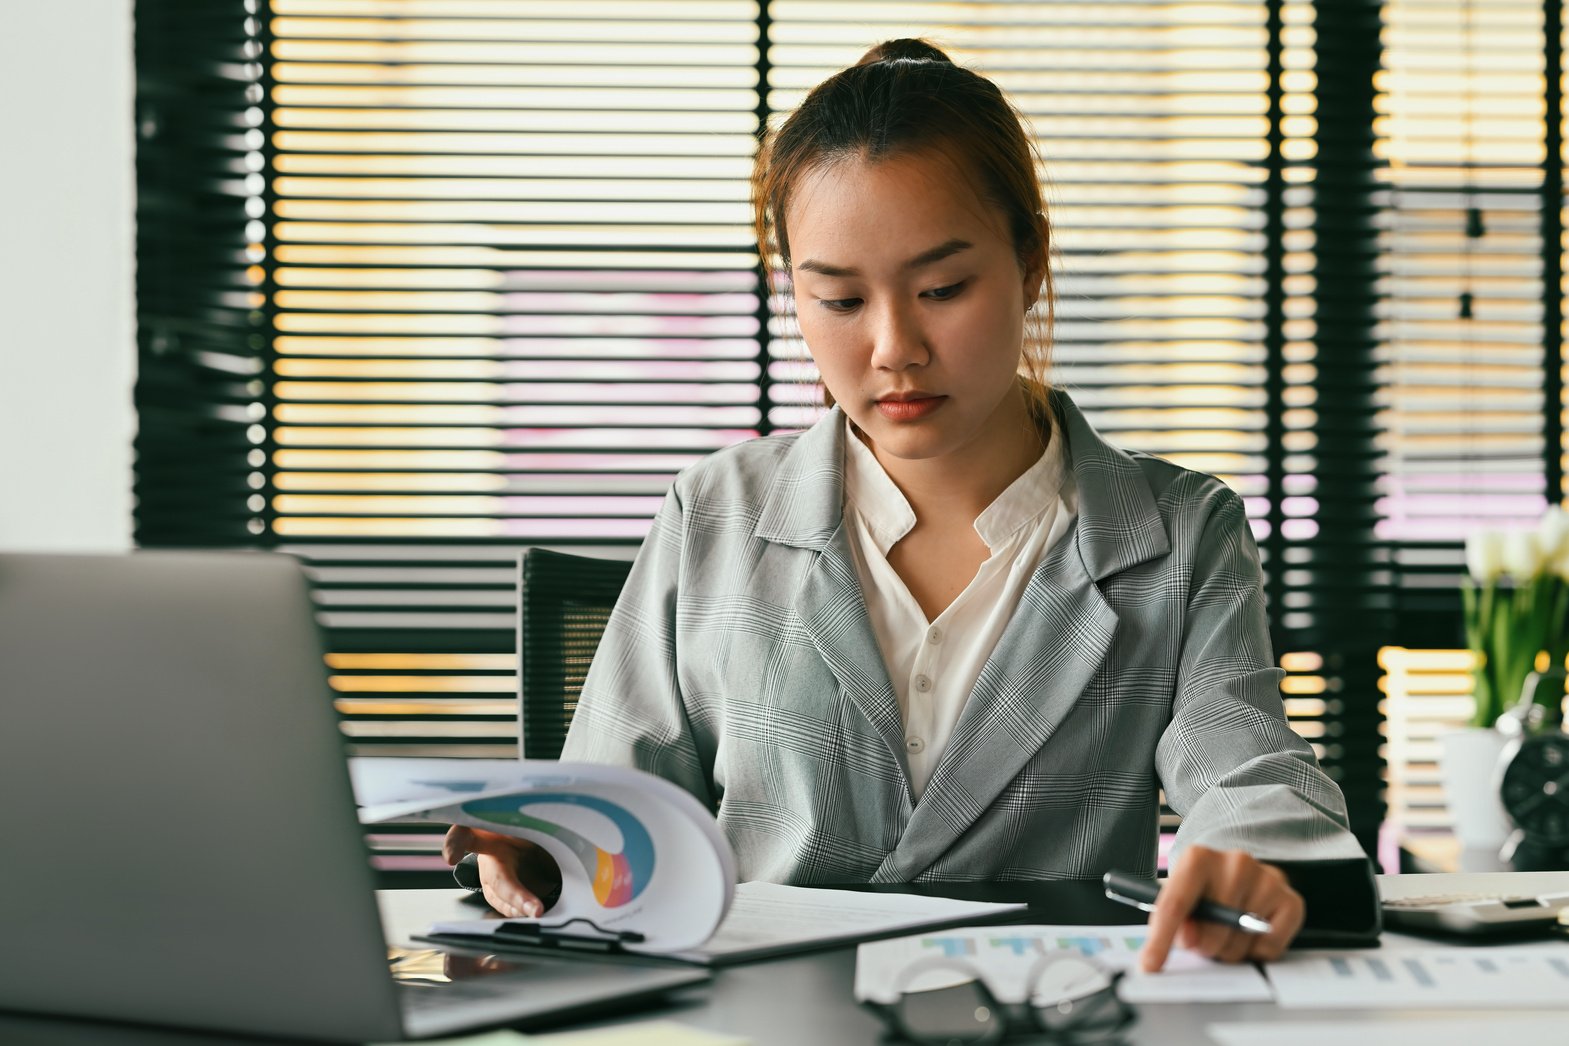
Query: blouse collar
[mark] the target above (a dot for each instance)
(887, 516)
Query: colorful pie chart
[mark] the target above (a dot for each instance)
(617, 877)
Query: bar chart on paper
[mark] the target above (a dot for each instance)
(1005, 955)
(1439, 977)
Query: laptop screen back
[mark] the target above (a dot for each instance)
(179, 841)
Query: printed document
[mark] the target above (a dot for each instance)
(766, 919)
(1388, 1029)
(1005, 955)
(1507, 977)
(769, 919)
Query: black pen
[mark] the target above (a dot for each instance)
(1141, 894)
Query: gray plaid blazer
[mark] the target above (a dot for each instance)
(741, 664)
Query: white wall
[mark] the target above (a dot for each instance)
(67, 318)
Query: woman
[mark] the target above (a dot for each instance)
(948, 633)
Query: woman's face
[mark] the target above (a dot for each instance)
(911, 299)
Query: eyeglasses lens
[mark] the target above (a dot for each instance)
(942, 1008)
(1074, 996)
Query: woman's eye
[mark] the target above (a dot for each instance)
(944, 293)
(839, 304)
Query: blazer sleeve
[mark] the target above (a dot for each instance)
(1231, 765)
(631, 711)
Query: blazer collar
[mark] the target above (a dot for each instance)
(1118, 525)
(805, 502)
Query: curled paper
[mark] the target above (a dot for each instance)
(638, 855)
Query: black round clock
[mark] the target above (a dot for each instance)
(1535, 789)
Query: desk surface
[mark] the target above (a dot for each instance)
(807, 999)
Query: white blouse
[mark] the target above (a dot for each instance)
(934, 664)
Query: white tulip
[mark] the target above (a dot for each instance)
(1484, 555)
(1522, 554)
(1560, 567)
(1553, 533)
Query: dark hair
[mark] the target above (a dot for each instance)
(906, 96)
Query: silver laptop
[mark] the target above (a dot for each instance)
(180, 845)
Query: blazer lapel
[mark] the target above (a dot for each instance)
(1048, 654)
(834, 614)
(1052, 648)
(805, 509)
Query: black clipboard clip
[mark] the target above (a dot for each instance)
(556, 935)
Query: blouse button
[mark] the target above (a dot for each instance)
(915, 744)
(934, 634)
(923, 683)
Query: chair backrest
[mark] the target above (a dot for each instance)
(564, 603)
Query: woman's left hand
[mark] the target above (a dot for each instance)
(1229, 877)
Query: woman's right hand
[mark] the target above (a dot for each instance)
(516, 875)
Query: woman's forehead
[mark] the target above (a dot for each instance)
(906, 202)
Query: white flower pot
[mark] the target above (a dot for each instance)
(1468, 765)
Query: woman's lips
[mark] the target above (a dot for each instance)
(909, 409)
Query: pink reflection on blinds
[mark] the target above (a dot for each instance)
(586, 505)
(1452, 516)
(629, 326)
(621, 438)
(629, 348)
(630, 304)
(631, 370)
(606, 393)
(618, 462)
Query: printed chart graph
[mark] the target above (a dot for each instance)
(1005, 956)
(1497, 977)
(1117, 950)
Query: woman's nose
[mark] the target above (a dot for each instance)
(898, 340)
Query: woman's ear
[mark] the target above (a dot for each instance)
(1032, 287)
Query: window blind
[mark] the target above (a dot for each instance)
(422, 283)
(514, 295)
(202, 331)
(1470, 314)
(1461, 139)
(1186, 265)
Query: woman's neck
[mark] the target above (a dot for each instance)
(956, 487)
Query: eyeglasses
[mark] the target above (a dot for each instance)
(1069, 998)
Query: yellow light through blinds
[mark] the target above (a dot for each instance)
(1461, 137)
(514, 289)
(1149, 152)
(1427, 693)
(1151, 120)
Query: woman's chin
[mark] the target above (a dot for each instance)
(908, 441)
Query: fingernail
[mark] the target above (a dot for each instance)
(531, 909)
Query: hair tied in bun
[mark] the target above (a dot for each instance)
(904, 50)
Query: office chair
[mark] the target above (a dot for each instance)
(564, 603)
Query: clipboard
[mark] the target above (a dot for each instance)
(566, 935)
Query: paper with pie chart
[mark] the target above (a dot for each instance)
(637, 854)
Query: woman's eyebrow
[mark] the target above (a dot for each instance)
(935, 254)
